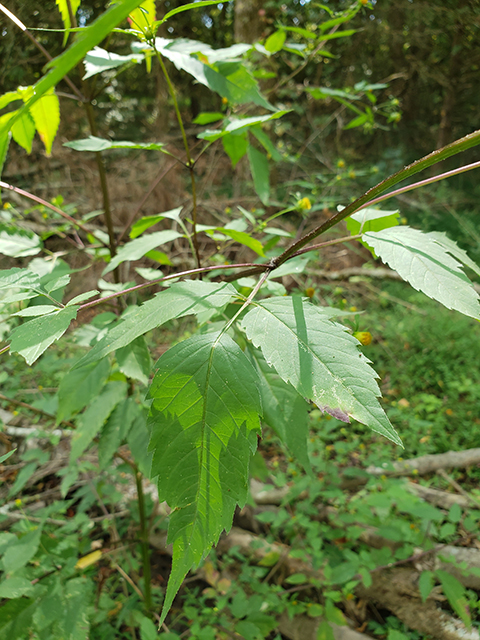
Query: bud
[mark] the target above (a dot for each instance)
(304, 204)
(364, 337)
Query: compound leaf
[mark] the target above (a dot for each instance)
(181, 299)
(425, 261)
(34, 337)
(319, 358)
(204, 421)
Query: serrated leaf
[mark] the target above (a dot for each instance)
(99, 60)
(319, 358)
(18, 243)
(95, 145)
(229, 79)
(283, 408)
(425, 584)
(260, 173)
(422, 261)
(34, 337)
(75, 622)
(18, 278)
(91, 421)
(116, 430)
(452, 247)
(134, 360)
(15, 587)
(455, 594)
(79, 386)
(370, 219)
(46, 116)
(181, 299)
(136, 249)
(204, 420)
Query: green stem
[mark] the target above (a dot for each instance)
(190, 163)
(147, 574)
(458, 146)
(247, 302)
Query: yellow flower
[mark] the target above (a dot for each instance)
(341, 164)
(364, 337)
(18, 502)
(304, 204)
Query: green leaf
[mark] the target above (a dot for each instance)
(137, 248)
(358, 121)
(325, 631)
(276, 41)
(245, 239)
(204, 424)
(333, 614)
(260, 173)
(22, 551)
(422, 261)
(456, 595)
(138, 438)
(425, 584)
(5, 136)
(319, 358)
(134, 360)
(6, 456)
(188, 7)
(86, 40)
(143, 17)
(77, 598)
(79, 386)
(208, 117)
(64, 12)
(18, 278)
(267, 144)
(23, 131)
(8, 98)
(37, 310)
(237, 125)
(116, 430)
(229, 79)
(283, 408)
(95, 145)
(452, 247)
(148, 630)
(46, 115)
(181, 299)
(235, 146)
(18, 243)
(370, 219)
(15, 587)
(92, 420)
(149, 221)
(34, 337)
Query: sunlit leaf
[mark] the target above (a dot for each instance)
(260, 173)
(18, 243)
(425, 261)
(136, 249)
(65, 13)
(34, 337)
(99, 60)
(319, 358)
(46, 116)
(100, 144)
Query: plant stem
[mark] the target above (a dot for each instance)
(181, 274)
(5, 349)
(462, 144)
(247, 302)
(326, 244)
(147, 575)
(34, 198)
(190, 163)
(423, 183)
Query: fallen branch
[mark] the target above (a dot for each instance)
(428, 464)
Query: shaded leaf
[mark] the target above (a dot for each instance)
(15, 587)
(148, 221)
(134, 360)
(181, 299)
(116, 430)
(422, 260)
(260, 173)
(425, 584)
(283, 408)
(319, 358)
(138, 438)
(34, 337)
(91, 421)
(235, 147)
(370, 219)
(237, 125)
(18, 554)
(455, 594)
(79, 386)
(136, 249)
(204, 423)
